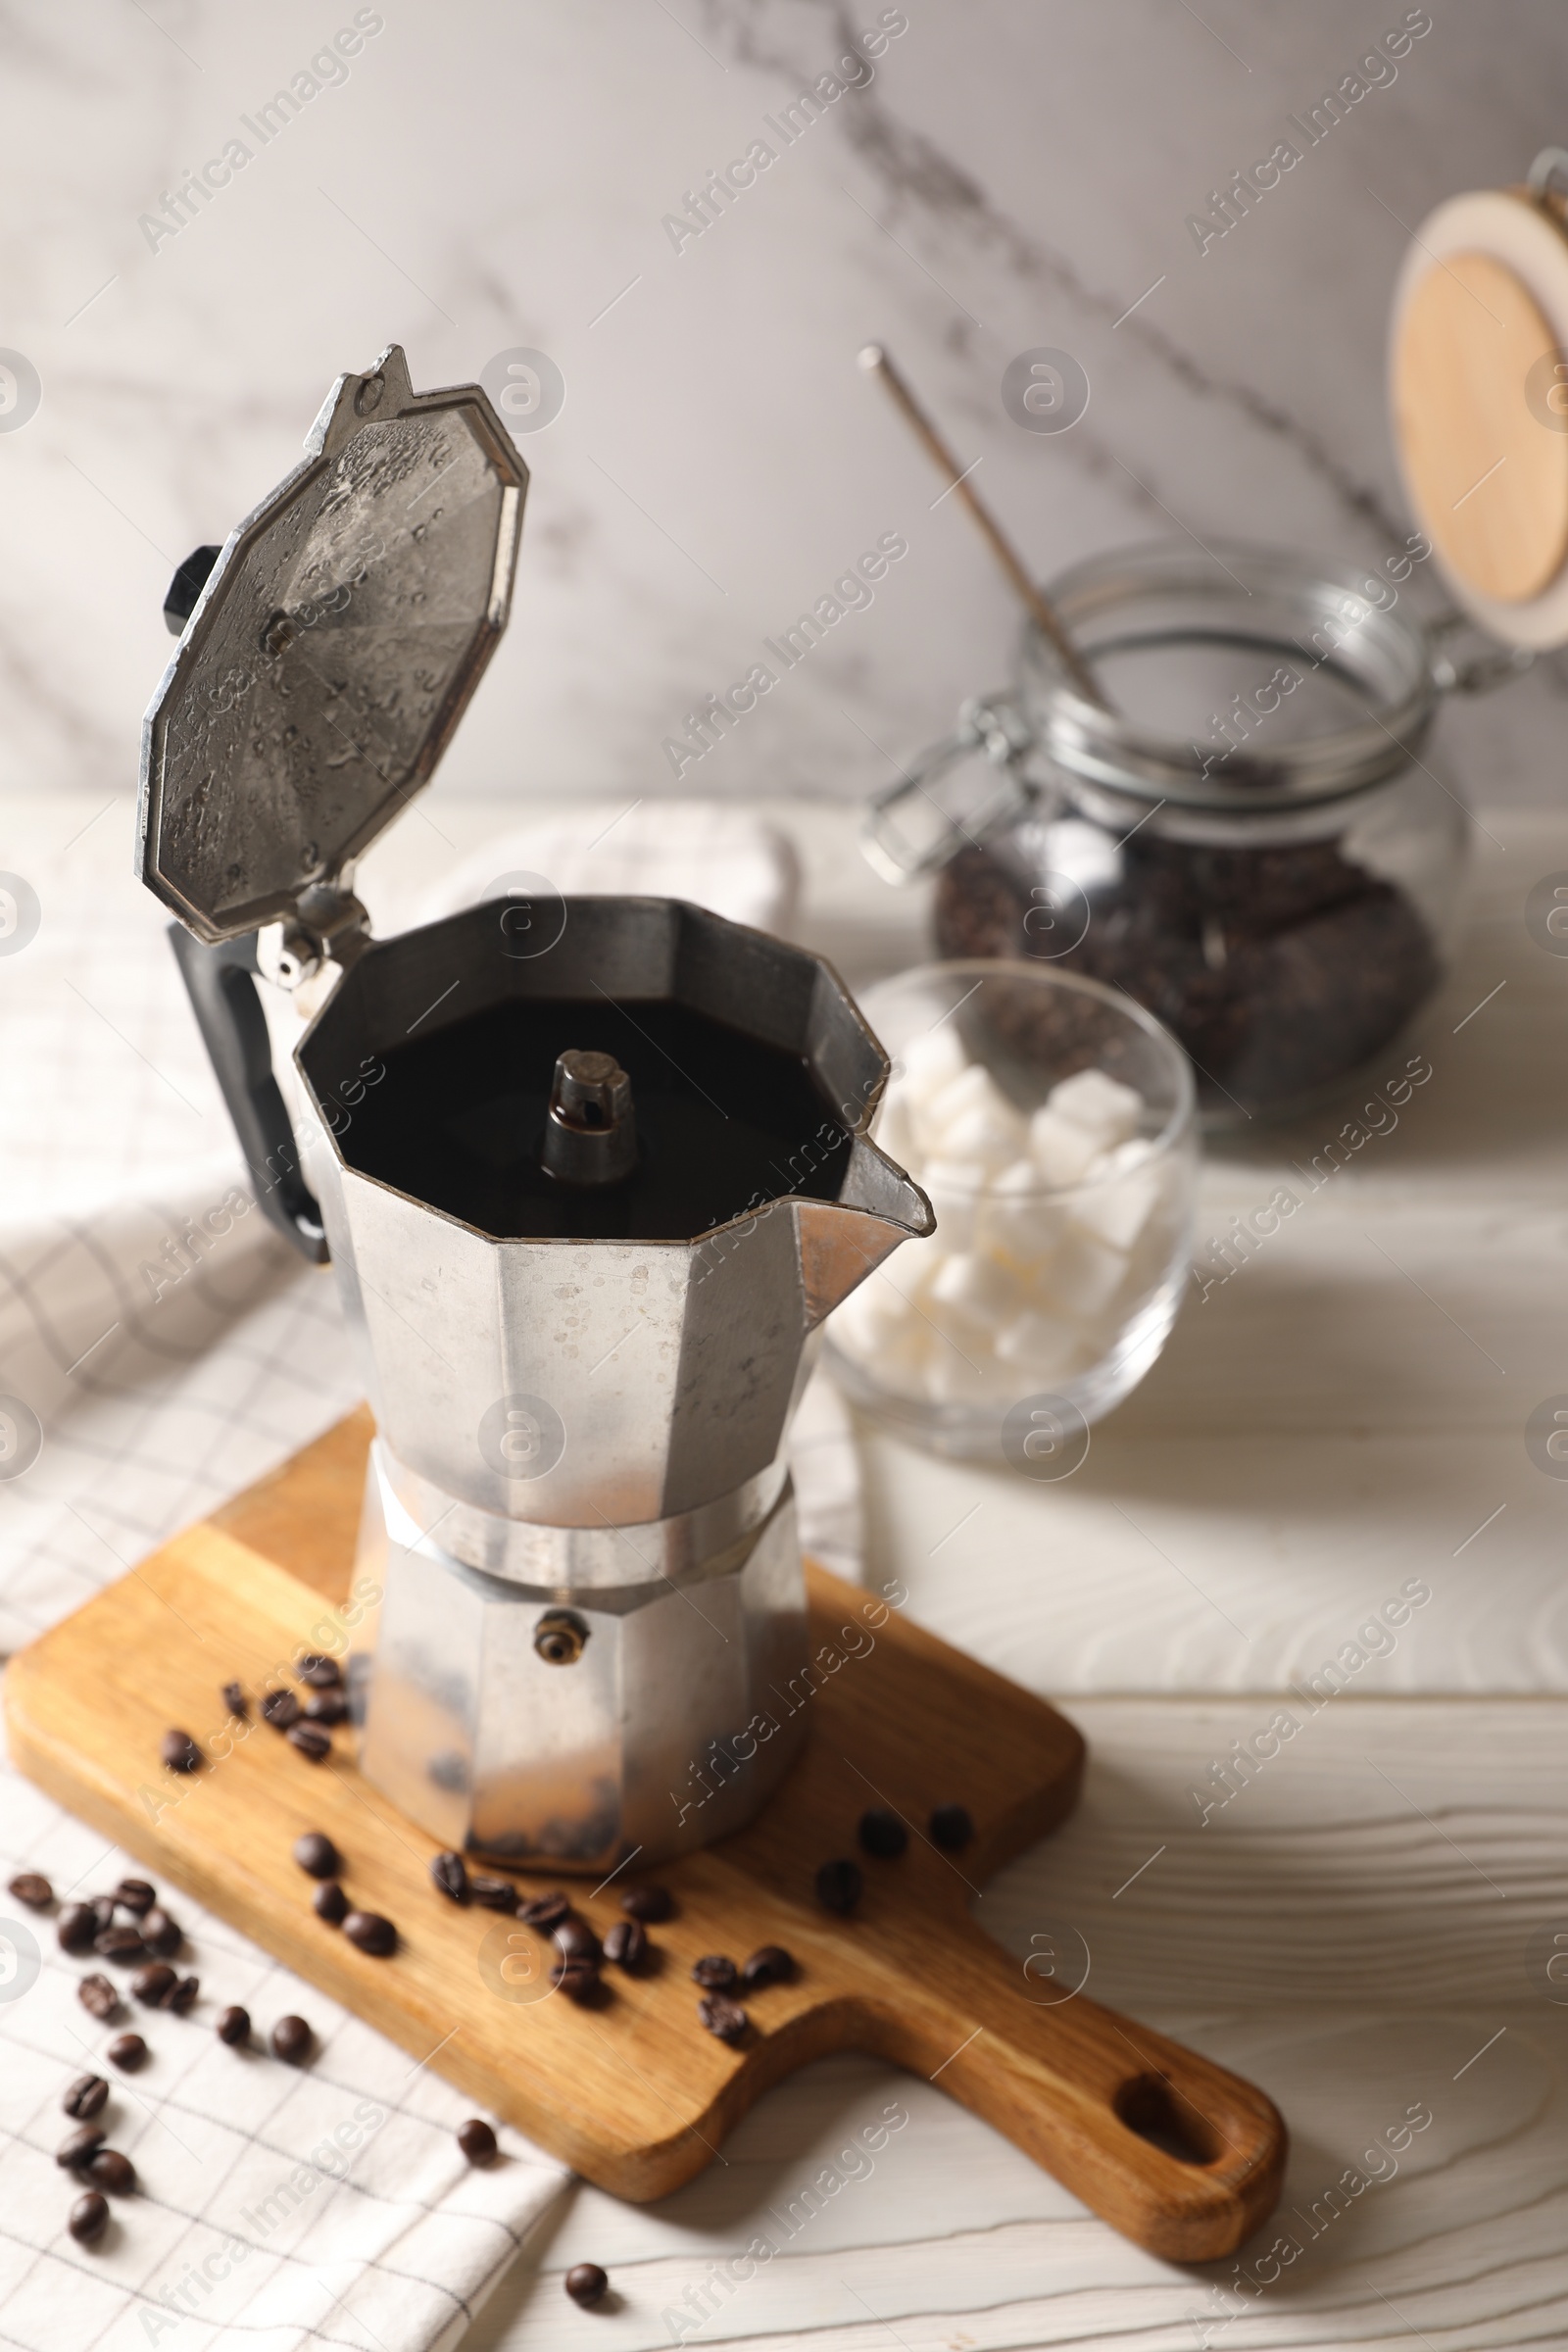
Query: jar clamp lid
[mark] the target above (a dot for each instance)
(328, 659)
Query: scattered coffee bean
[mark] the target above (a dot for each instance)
(577, 1978)
(292, 2040)
(316, 1855)
(839, 1886)
(718, 1972)
(951, 1827)
(649, 1904)
(322, 1672)
(127, 2051)
(543, 1911)
(586, 2283)
(78, 2146)
(495, 1894)
(31, 1888)
(280, 1708)
(161, 1933)
(881, 1833)
(153, 1986)
(371, 1933)
(450, 1872)
(723, 2016)
(575, 1939)
(179, 1751)
(326, 1707)
(315, 1745)
(183, 1997)
(89, 2217)
(98, 1996)
(111, 2170)
(772, 1964)
(76, 1926)
(136, 1897)
(626, 1943)
(85, 2097)
(122, 1946)
(329, 1902)
(477, 2141)
(234, 1699)
(103, 1908)
(234, 2027)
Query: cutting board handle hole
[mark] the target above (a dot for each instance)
(1149, 2106)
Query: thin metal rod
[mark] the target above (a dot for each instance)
(874, 359)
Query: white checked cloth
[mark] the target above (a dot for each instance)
(152, 1412)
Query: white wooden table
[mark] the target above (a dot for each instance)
(1365, 1929)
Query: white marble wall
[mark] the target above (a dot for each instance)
(494, 173)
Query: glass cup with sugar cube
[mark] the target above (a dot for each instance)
(1051, 1122)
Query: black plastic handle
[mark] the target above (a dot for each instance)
(221, 984)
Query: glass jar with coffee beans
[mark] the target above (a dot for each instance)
(1255, 840)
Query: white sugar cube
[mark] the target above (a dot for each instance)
(932, 1062)
(1043, 1346)
(1017, 1218)
(1083, 1277)
(977, 1287)
(954, 1186)
(1117, 1206)
(895, 1127)
(1061, 1150)
(1103, 1105)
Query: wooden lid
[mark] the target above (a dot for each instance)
(1478, 370)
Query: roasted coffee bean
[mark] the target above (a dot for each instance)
(183, 1996)
(326, 1707)
(292, 2040)
(161, 1933)
(98, 1996)
(179, 1751)
(723, 2016)
(315, 1745)
(122, 1946)
(576, 1940)
(316, 1855)
(85, 2097)
(280, 1708)
(234, 1699)
(577, 1978)
(495, 1894)
(76, 2148)
(329, 1902)
(111, 2170)
(626, 1943)
(31, 1888)
(127, 2051)
(718, 1972)
(76, 1926)
(543, 1911)
(477, 2141)
(322, 1672)
(233, 2026)
(103, 1908)
(371, 1933)
(649, 1904)
(450, 1872)
(89, 2217)
(136, 1897)
(770, 1964)
(881, 1833)
(586, 2283)
(153, 1986)
(839, 1886)
(951, 1827)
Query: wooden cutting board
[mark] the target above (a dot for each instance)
(1174, 2152)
